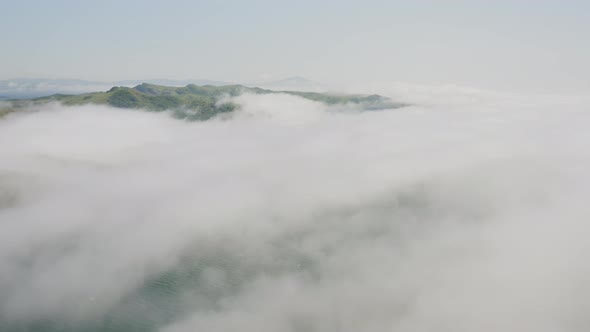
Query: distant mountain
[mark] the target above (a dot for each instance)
(33, 88)
(168, 82)
(295, 83)
(192, 102)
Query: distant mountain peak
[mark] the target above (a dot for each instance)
(295, 80)
(296, 83)
(298, 79)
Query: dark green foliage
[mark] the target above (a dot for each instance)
(124, 99)
(162, 103)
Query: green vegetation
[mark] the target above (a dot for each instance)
(191, 102)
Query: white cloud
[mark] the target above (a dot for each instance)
(458, 215)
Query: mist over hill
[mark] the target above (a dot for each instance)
(466, 211)
(22, 88)
(34, 88)
(295, 83)
(194, 102)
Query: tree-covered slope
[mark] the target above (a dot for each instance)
(192, 102)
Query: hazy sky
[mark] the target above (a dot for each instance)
(508, 45)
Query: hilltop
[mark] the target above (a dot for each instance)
(295, 83)
(28, 88)
(191, 101)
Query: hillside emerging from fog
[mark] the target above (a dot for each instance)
(193, 102)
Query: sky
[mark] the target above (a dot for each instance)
(464, 212)
(538, 46)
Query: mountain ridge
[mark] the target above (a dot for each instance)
(193, 102)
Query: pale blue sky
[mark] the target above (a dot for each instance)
(509, 45)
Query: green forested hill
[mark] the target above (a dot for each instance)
(191, 102)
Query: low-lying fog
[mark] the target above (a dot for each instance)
(466, 212)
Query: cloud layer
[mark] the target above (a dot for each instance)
(466, 213)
